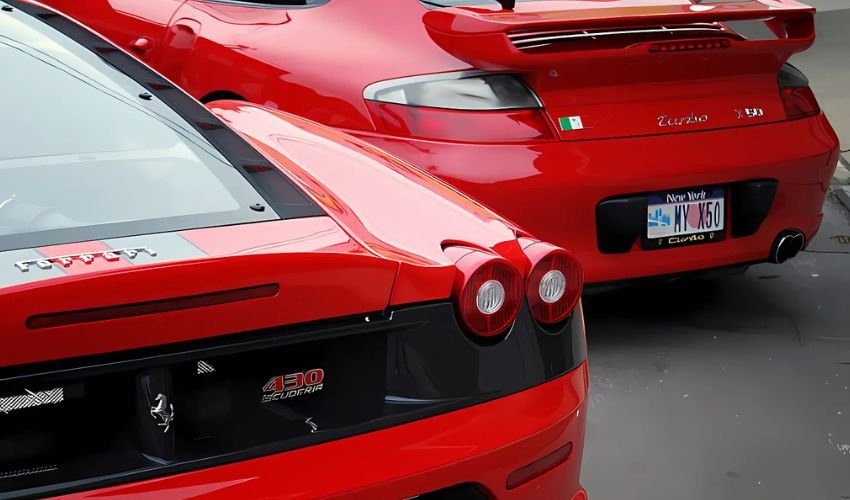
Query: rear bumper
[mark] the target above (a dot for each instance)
(481, 444)
(401, 402)
(555, 187)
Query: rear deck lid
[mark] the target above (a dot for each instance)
(131, 216)
(70, 300)
(628, 68)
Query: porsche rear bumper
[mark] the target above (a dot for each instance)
(553, 189)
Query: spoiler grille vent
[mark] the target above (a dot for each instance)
(602, 38)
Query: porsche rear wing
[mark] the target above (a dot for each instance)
(533, 36)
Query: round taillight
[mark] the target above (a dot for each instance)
(554, 283)
(488, 291)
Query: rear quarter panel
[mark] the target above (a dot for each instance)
(312, 62)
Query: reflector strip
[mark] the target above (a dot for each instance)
(53, 320)
(540, 467)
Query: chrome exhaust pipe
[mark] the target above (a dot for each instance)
(787, 245)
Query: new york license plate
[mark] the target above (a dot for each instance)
(685, 217)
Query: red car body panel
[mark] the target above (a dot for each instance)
(349, 194)
(407, 233)
(377, 251)
(545, 179)
(376, 248)
(804, 167)
(469, 445)
(298, 252)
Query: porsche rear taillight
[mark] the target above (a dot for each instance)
(487, 291)
(554, 284)
(799, 102)
(464, 106)
(459, 125)
(797, 97)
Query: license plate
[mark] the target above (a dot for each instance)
(685, 217)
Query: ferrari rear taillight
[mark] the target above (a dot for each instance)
(797, 96)
(487, 291)
(554, 283)
(464, 106)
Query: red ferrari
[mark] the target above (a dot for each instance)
(237, 303)
(651, 137)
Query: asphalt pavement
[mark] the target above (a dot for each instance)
(736, 387)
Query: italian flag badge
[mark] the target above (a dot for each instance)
(570, 123)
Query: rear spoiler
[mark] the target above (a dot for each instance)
(482, 37)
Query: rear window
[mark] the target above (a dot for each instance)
(86, 152)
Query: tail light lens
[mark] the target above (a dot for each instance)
(554, 283)
(462, 126)
(487, 291)
(468, 90)
(797, 96)
(462, 106)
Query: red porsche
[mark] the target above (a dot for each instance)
(652, 137)
(237, 303)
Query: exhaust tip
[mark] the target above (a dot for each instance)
(787, 245)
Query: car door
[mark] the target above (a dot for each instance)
(137, 25)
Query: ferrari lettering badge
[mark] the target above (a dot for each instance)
(31, 399)
(86, 258)
(293, 385)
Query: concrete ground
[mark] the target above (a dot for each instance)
(733, 388)
(739, 387)
(828, 63)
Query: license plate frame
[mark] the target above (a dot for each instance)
(693, 216)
